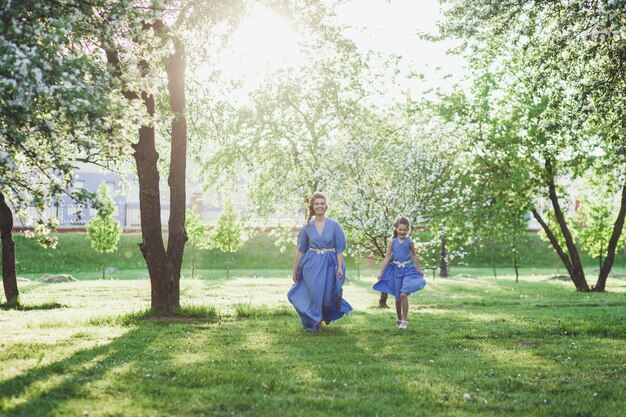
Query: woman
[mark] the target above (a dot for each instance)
(319, 270)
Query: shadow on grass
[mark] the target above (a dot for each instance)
(262, 364)
(185, 313)
(29, 307)
(48, 388)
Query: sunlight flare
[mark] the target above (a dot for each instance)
(264, 43)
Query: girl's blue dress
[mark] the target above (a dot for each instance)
(400, 276)
(318, 294)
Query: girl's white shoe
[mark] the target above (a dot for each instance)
(398, 323)
(403, 324)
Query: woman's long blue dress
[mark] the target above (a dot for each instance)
(317, 296)
(400, 276)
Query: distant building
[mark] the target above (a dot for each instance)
(124, 190)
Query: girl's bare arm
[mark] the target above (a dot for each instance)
(414, 258)
(386, 260)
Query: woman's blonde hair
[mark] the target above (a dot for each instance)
(311, 202)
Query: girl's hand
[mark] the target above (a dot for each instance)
(339, 272)
(295, 276)
(380, 276)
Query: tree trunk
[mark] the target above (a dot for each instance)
(227, 265)
(555, 244)
(443, 264)
(382, 302)
(577, 273)
(610, 255)
(600, 259)
(9, 278)
(515, 258)
(193, 259)
(103, 266)
(178, 165)
(163, 266)
(152, 247)
(146, 158)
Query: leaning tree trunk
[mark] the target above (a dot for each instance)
(555, 243)
(610, 256)
(9, 278)
(577, 272)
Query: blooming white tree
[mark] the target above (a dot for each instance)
(60, 106)
(280, 136)
(394, 166)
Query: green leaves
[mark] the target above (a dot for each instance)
(230, 232)
(104, 231)
(196, 230)
(545, 112)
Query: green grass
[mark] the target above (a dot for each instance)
(74, 254)
(474, 347)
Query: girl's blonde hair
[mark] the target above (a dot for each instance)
(311, 202)
(401, 220)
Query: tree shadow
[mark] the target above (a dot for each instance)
(46, 388)
(263, 364)
(29, 307)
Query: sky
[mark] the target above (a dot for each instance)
(266, 41)
(392, 26)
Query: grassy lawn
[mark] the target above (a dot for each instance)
(475, 346)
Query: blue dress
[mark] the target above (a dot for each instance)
(318, 294)
(400, 276)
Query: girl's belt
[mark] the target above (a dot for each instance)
(401, 264)
(322, 251)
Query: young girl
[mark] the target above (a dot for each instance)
(400, 277)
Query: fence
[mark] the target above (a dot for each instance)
(76, 216)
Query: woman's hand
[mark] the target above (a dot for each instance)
(295, 277)
(339, 272)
